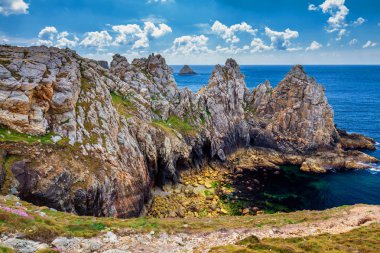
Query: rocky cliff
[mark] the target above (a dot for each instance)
(296, 114)
(81, 138)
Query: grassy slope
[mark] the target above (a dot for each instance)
(123, 105)
(364, 239)
(174, 122)
(56, 223)
(7, 135)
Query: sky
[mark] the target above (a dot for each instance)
(270, 32)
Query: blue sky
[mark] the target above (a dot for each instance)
(201, 32)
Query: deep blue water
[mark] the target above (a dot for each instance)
(354, 93)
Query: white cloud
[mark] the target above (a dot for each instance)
(257, 45)
(229, 33)
(3, 40)
(63, 40)
(353, 42)
(47, 43)
(9, 7)
(314, 46)
(133, 33)
(155, 31)
(281, 40)
(359, 21)
(312, 7)
(232, 49)
(338, 12)
(96, 39)
(46, 36)
(341, 33)
(125, 31)
(293, 49)
(369, 44)
(47, 33)
(49, 36)
(189, 45)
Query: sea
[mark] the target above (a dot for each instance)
(354, 94)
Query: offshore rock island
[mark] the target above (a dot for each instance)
(85, 139)
(186, 70)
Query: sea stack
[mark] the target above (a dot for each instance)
(186, 70)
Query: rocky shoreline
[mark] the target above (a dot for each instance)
(81, 138)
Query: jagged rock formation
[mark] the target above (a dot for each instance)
(186, 70)
(118, 132)
(296, 115)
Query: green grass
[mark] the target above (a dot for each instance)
(86, 85)
(234, 207)
(214, 184)
(63, 224)
(4, 61)
(47, 251)
(175, 123)
(7, 135)
(5, 250)
(207, 193)
(203, 119)
(365, 239)
(123, 105)
(9, 177)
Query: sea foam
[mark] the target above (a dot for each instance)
(375, 168)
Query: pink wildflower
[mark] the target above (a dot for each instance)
(17, 212)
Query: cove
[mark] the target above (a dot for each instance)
(292, 189)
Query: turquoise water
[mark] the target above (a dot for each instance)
(354, 93)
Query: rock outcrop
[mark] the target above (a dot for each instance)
(294, 116)
(102, 138)
(186, 70)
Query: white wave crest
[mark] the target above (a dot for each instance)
(374, 169)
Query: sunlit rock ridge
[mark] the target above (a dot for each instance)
(82, 138)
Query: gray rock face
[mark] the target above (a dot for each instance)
(24, 246)
(186, 70)
(123, 130)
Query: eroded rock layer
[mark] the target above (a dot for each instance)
(83, 138)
